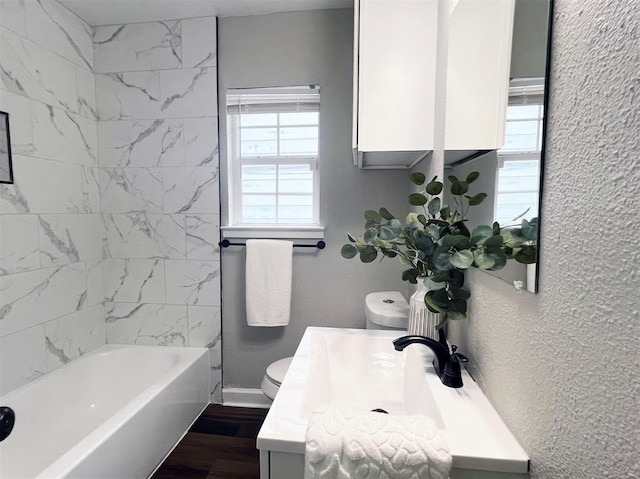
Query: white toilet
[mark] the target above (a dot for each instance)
(382, 310)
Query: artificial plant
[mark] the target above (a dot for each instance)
(436, 244)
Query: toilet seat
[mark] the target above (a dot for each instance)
(274, 376)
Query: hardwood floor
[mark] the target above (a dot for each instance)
(220, 445)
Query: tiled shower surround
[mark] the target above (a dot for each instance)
(158, 154)
(110, 232)
(51, 229)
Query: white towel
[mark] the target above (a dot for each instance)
(268, 282)
(343, 443)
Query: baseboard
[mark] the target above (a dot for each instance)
(244, 397)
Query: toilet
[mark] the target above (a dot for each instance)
(382, 310)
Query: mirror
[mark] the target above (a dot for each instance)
(512, 175)
(6, 171)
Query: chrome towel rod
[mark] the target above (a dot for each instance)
(320, 244)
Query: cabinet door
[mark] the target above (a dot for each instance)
(396, 72)
(479, 57)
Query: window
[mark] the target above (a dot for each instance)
(519, 160)
(273, 156)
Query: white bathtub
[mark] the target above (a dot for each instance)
(114, 413)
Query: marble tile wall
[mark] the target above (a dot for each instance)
(156, 104)
(52, 233)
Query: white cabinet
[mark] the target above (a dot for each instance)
(396, 57)
(478, 61)
(394, 81)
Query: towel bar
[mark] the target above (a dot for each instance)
(320, 244)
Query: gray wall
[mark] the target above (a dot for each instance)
(290, 49)
(529, 52)
(561, 366)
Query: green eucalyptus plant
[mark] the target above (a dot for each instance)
(521, 243)
(436, 244)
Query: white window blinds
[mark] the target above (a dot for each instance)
(519, 160)
(273, 155)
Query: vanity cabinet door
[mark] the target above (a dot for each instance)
(394, 81)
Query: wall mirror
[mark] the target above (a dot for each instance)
(512, 175)
(6, 170)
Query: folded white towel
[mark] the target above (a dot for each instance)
(343, 443)
(268, 282)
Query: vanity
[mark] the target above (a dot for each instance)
(361, 369)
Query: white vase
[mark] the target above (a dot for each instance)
(422, 321)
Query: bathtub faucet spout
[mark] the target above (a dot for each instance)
(447, 365)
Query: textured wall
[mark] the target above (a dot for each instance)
(562, 366)
(50, 226)
(156, 98)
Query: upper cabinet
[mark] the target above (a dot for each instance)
(478, 62)
(394, 81)
(399, 47)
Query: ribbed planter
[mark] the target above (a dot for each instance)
(422, 321)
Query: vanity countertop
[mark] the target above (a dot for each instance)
(328, 359)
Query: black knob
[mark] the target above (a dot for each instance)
(451, 374)
(7, 420)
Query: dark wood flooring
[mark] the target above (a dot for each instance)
(220, 445)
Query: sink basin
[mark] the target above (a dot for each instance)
(366, 373)
(361, 369)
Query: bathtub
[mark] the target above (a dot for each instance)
(114, 413)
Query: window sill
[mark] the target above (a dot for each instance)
(273, 232)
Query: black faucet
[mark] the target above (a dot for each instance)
(447, 365)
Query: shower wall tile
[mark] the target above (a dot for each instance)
(191, 190)
(63, 136)
(51, 24)
(199, 42)
(69, 337)
(140, 143)
(48, 88)
(139, 235)
(204, 326)
(193, 282)
(32, 71)
(86, 94)
(22, 358)
(201, 142)
(45, 186)
(203, 236)
(95, 282)
(13, 16)
(19, 247)
(138, 46)
(134, 281)
(146, 324)
(125, 190)
(34, 297)
(156, 97)
(215, 380)
(20, 121)
(128, 95)
(188, 93)
(70, 238)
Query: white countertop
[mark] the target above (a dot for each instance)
(477, 437)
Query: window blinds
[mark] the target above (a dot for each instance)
(273, 100)
(526, 91)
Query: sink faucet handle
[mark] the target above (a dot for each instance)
(451, 375)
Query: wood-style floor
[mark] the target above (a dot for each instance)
(220, 445)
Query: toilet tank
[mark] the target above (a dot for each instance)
(386, 310)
